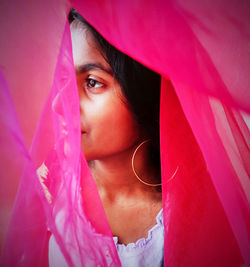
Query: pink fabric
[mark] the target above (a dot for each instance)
(202, 48)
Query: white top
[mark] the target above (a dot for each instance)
(146, 252)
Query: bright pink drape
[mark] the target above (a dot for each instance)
(203, 49)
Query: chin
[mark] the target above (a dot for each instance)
(89, 155)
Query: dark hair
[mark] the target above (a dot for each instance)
(140, 86)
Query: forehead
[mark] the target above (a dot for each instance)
(85, 49)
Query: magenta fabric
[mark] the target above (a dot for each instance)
(201, 49)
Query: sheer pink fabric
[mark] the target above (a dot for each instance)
(203, 49)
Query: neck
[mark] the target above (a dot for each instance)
(114, 175)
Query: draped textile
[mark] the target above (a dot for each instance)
(201, 49)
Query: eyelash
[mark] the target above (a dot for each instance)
(93, 86)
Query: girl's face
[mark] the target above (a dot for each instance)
(107, 125)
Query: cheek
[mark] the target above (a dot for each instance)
(115, 123)
(120, 125)
(112, 126)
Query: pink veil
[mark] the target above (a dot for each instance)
(202, 52)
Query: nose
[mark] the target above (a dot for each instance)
(81, 112)
(81, 99)
(82, 106)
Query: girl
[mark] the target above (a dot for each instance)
(104, 155)
(119, 102)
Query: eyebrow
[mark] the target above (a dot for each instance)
(92, 66)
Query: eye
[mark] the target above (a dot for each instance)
(91, 84)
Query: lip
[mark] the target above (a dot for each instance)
(83, 132)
